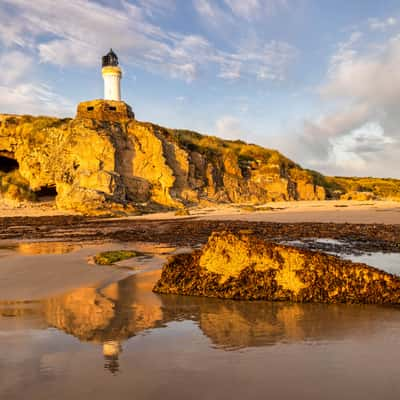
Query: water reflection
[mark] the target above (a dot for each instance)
(110, 315)
(36, 248)
(106, 316)
(386, 261)
(233, 325)
(111, 351)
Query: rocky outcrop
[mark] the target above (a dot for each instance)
(240, 266)
(94, 163)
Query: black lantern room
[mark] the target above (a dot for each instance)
(110, 59)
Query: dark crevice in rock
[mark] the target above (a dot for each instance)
(46, 192)
(8, 164)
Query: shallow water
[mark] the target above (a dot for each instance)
(119, 340)
(389, 262)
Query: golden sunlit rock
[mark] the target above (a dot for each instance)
(241, 266)
(104, 161)
(107, 161)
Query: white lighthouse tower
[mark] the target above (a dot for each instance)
(111, 108)
(112, 76)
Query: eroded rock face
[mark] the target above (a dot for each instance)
(104, 163)
(95, 164)
(240, 266)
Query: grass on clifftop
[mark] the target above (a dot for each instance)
(111, 257)
(385, 188)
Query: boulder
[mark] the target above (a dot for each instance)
(241, 266)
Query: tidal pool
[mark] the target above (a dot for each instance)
(107, 336)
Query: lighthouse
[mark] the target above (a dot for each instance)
(112, 76)
(110, 108)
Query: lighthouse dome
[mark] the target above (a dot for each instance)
(110, 59)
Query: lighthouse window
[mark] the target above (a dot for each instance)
(90, 108)
(112, 108)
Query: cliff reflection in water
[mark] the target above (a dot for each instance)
(112, 314)
(232, 325)
(109, 315)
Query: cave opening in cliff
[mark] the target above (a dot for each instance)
(46, 193)
(8, 164)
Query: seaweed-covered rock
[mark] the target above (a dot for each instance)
(114, 256)
(241, 266)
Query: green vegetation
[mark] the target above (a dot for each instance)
(384, 188)
(236, 152)
(111, 257)
(357, 188)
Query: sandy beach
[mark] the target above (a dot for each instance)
(29, 275)
(329, 211)
(382, 212)
(32, 272)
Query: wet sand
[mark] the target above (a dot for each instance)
(32, 271)
(34, 276)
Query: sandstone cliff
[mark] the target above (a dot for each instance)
(92, 165)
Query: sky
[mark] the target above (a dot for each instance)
(318, 80)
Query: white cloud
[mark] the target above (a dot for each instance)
(254, 9)
(345, 50)
(78, 32)
(19, 93)
(256, 59)
(229, 127)
(376, 24)
(230, 10)
(155, 8)
(13, 66)
(212, 13)
(30, 98)
(231, 70)
(245, 9)
(371, 77)
(361, 133)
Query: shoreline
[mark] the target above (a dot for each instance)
(324, 211)
(86, 235)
